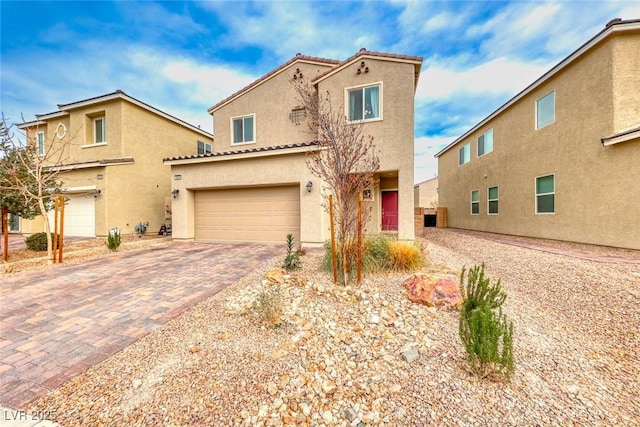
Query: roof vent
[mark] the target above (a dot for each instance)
(612, 22)
(298, 54)
(363, 49)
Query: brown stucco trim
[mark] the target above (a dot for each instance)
(611, 27)
(94, 164)
(234, 154)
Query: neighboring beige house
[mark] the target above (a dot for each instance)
(112, 169)
(255, 185)
(425, 194)
(560, 160)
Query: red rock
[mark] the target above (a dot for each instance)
(433, 291)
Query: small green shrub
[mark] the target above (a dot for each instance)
(268, 306)
(113, 240)
(404, 256)
(484, 330)
(292, 259)
(38, 241)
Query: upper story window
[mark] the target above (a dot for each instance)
(464, 154)
(364, 103)
(475, 202)
(40, 143)
(546, 110)
(243, 129)
(100, 130)
(203, 147)
(492, 200)
(545, 194)
(485, 143)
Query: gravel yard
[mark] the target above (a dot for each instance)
(336, 358)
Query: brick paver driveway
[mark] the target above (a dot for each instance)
(56, 323)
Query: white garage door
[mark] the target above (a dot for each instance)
(264, 214)
(79, 215)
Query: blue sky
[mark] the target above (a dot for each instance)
(184, 57)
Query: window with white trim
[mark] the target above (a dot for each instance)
(485, 143)
(243, 129)
(546, 110)
(100, 130)
(203, 147)
(492, 200)
(545, 194)
(364, 103)
(464, 154)
(475, 202)
(40, 142)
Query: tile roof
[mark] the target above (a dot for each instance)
(249, 150)
(365, 52)
(298, 57)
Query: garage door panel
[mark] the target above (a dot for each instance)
(265, 214)
(79, 215)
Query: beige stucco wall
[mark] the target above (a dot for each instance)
(394, 133)
(132, 192)
(425, 194)
(271, 102)
(596, 187)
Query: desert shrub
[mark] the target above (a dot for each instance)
(379, 253)
(38, 241)
(268, 306)
(292, 259)
(484, 330)
(113, 240)
(404, 256)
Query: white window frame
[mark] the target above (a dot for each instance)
(103, 119)
(466, 146)
(477, 202)
(206, 147)
(484, 143)
(40, 141)
(253, 117)
(537, 107)
(363, 87)
(489, 200)
(535, 191)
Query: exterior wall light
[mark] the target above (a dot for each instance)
(96, 193)
(175, 193)
(309, 186)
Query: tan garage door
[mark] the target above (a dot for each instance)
(264, 214)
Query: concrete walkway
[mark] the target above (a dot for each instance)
(56, 323)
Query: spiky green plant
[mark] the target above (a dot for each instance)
(484, 330)
(292, 259)
(113, 240)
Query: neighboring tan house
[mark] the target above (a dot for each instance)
(425, 194)
(255, 185)
(560, 160)
(111, 169)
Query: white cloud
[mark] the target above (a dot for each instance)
(425, 165)
(498, 76)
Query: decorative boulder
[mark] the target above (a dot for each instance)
(434, 291)
(277, 275)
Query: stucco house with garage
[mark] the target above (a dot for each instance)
(560, 160)
(111, 167)
(255, 187)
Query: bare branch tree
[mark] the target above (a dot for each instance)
(346, 161)
(29, 173)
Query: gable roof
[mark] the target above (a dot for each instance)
(364, 53)
(335, 67)
(298, 58)
(615, 25)
(118, 94)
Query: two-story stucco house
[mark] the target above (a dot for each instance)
(111, 168)
(255, 186)
(560, 160)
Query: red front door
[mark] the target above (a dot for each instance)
(390, 210)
